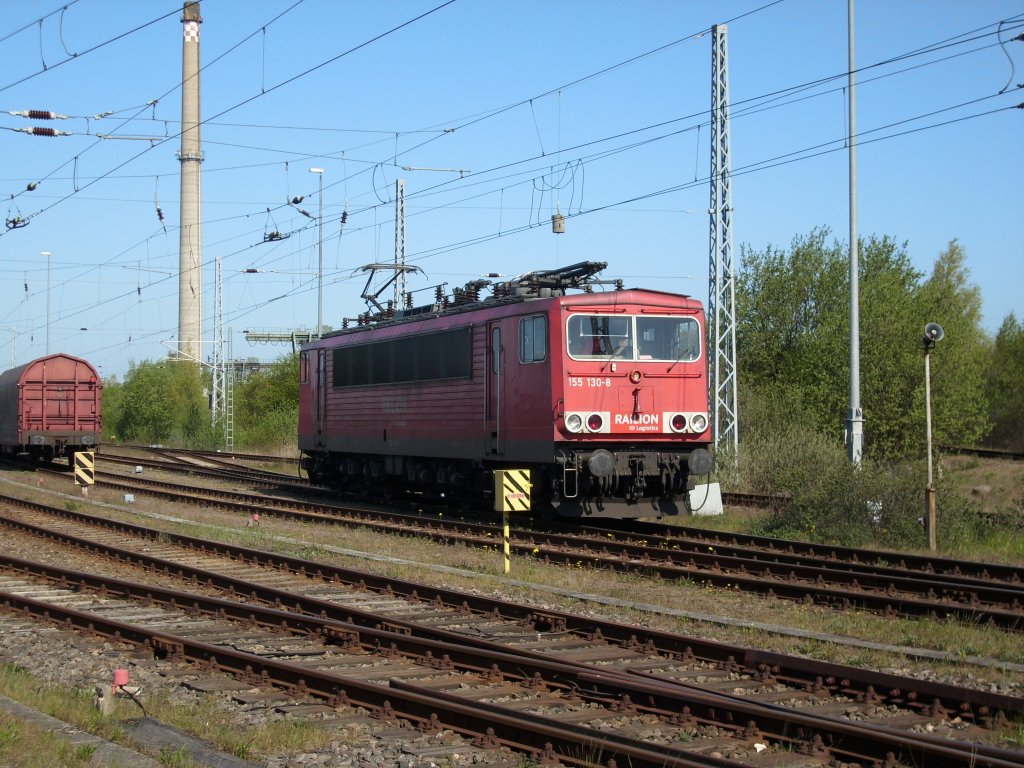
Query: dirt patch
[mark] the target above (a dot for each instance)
(997, 485)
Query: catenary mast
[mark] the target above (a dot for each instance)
(722, 288)
(190, 243)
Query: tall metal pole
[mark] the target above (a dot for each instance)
(320, 268)
(929, 491)
(854, 416)
(47, 254)
(190, 239)
(932, 333)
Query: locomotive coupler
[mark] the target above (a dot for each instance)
(637, 482)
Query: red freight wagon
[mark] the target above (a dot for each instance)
(50, 408)
(603, 395)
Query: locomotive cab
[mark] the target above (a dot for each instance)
(634, 426)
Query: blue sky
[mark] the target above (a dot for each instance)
(597, 109)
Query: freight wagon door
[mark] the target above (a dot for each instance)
(320, 396)
(494, 389)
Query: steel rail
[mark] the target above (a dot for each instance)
(981, 707)
(780, 550)
(489, 724)
(1001, 607)
(627, 692)
(929, 565)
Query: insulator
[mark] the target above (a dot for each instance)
(307, 214)
(438, 294)
(32, 186)
(344, 217)
(38, 130)
(41, 114)
(408, 300)
(298, 199)
(159, 213)
(618, 285)
(344, 322)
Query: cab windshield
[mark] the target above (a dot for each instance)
(632, 337)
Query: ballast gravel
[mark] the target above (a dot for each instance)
(361, 742)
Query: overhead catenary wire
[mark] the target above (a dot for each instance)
(310, 284)
(346, 175)
(98, 46)
(738, 106)
(281, 84)
(37, 21)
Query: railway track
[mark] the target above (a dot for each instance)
(197, 461)
(829, 576)
(472, 664)
(985, 453)
(204, 467)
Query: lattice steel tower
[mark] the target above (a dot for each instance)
(722, 287)
(223, 380)
(400, 282)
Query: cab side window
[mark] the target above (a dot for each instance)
(533, 339)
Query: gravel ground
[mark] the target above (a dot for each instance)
(360, 742)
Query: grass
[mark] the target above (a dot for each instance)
(24, 745)
(206, 719)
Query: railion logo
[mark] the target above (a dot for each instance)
(624, 419)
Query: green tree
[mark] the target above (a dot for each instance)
(1005, 386)
(267, 405)
(111, 407)
(960, 360)
(159, 402)
(788, 342)
(793, 321)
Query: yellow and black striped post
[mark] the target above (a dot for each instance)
(511, 494)
(85, 470)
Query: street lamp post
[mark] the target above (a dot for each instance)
(320, 268)
(932, 333)
(47, 254)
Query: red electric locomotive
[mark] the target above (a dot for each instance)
(603, 395)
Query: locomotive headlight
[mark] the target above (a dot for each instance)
(573, 422)
(698, 422)
(634, 376)
(678, 422)
(595, 422)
